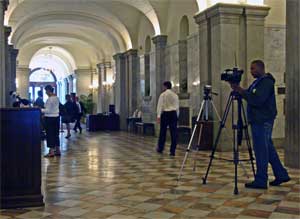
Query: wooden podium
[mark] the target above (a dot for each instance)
(20, 158)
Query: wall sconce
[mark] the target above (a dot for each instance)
(17, 83)
(196, 83)
(108, 83)
(94, 85)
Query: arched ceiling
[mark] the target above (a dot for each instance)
(92, 30)
(96, 28)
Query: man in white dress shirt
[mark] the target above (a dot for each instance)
(167, 114)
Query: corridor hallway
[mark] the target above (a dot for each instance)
(120, 176)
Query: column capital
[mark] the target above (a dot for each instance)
(104, 64)
(160, 40)
(131, 52)
(201, 18)
(14, 52)
(256, 14)
(219, 9)
(257, 11)
(118, 56)
(7, 31)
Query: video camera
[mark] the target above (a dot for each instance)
(232, 75)
(18, 100)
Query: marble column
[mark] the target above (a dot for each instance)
(70, 82)
(100, 89)
(3, 8)
(132, 67)
(11, 76)
(252, 39)
(230, 35)
(23, 81)
(121, 87)
(159, 77)
(204, 50)
(7, 32)
(292, 130)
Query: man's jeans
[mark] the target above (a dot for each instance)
(265, 152)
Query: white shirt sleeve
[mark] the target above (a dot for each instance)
(159, 105)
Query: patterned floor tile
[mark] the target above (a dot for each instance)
(73, 212)
(158, 215)
(120, 176)
(110, 209)
(147, 207)
(33, 215)
(195, 213)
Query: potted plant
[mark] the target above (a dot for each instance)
(88, 103)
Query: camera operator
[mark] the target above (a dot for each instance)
(261, 113)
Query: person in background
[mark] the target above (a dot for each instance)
(167, 114)
(79, 115)
(51, 118)
(70, 114)
(39, 102)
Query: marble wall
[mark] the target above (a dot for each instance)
(275, 64)
(274, 53)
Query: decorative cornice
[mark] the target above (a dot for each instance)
(231, 11)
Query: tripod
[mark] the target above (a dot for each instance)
(238, 127)
(201, 118)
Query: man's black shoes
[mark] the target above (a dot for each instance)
(159, 151)
(277, 182)
(254, 185)
(172, 154)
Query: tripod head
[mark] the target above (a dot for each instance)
(207, 90)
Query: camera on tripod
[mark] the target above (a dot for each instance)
(207, 90)
(232, 75)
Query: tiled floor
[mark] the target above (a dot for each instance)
(120, 176)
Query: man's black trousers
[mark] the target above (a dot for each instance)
(77, 124)
(52, 131)
(168, 118)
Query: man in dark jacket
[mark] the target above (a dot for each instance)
(261, 113)
(39, 102)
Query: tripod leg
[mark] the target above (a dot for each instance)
(222, 125)
(198, 144)
(237, 140)
(248, 140)
(191, 140)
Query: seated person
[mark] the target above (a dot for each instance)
(137, 114)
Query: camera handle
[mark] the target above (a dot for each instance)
(237, 136)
